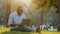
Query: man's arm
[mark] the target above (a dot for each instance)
(10, 20)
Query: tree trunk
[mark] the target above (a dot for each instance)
(41, 17)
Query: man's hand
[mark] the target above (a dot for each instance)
(7, 25)
(16, 24)
(21, 24)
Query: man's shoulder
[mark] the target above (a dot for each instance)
(23, 14)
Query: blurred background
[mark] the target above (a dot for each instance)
(39, 11)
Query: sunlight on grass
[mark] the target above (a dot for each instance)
(18, 32)
(7, 31)
(4, 30)
(49, 32)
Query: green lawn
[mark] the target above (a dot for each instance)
(17, 32)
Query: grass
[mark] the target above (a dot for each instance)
(49, 32)
(18, 32)
(7, 31)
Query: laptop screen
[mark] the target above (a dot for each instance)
(26, 21)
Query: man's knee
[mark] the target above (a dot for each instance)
(28, 29)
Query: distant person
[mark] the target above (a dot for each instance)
(16, 18)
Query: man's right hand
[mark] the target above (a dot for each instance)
(14, 25)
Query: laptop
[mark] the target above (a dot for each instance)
(26, 21)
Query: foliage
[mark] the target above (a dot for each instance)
(48, 14)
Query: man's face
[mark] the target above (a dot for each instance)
(19, 10)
